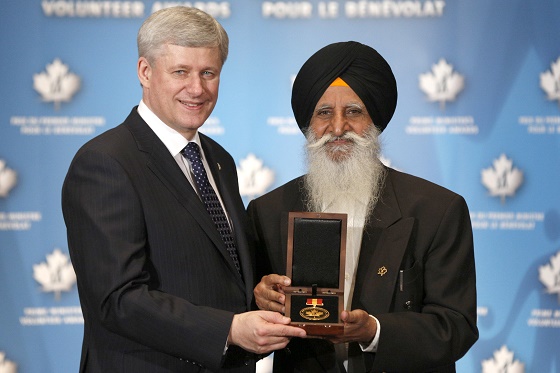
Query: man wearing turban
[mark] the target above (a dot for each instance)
(409, 291)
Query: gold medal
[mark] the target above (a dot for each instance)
(314, 313)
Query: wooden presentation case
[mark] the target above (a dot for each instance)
(316, 256)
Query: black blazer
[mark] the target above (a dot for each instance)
(157, 287)
(418, 227)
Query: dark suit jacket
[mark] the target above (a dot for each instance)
(157, 287)
(418, 227)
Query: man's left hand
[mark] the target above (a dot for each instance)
(359, 326)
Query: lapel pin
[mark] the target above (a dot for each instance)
(381, 271)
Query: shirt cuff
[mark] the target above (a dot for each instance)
(372, 347)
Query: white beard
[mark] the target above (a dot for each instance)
(350, 184)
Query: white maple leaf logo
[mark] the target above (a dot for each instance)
(441, 84)
(502, 363)
(254, 178)
(8, 179)
(550, 81)
(503, 179)
(6, 366)
(549, 275)
(56, 275)
(57, 84)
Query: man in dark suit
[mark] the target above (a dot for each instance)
(410, 293)
(156, 225)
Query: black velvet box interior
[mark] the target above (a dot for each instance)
(315, 263)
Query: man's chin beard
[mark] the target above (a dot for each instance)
(339, 153)
(346, 174)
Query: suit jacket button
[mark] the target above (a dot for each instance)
(408, 304)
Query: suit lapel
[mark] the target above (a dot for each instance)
(160, 162)
(384, 245)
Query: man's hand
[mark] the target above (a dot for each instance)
(269, 293)
(358, 327)
(261, 332)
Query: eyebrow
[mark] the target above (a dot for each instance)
(324, 106)
(354, 104)
(181, 66)
(348, 105)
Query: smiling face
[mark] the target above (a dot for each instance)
(181, 86)
(339, 112)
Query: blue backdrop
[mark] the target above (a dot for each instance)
(478, 112)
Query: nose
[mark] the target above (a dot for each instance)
(194, 85)
(339, 125)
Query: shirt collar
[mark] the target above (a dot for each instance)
(360, 202)
(173, 140)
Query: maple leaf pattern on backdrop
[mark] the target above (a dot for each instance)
(7, 366)
(549, 275)
(57, 84)
(254, 178)
(56, 275)
(8, 179)
(503, 179)
(502, 362)
(442, 83)
(550, 81)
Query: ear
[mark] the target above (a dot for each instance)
(144, 71)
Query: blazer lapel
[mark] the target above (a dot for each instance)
(172, 177)
(384, 245)
(160, 162)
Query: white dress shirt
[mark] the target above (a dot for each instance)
(175, 142)
(356, 221)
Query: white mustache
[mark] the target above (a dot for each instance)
(352, 136)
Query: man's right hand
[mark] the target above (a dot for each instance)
(261, 332)
(269, 293)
